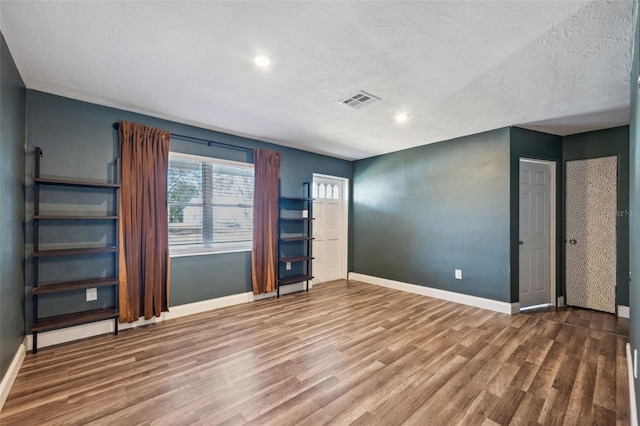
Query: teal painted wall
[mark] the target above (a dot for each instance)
(634, 202)
(539, 146)
(421, 213)
(604, 143)
(78, 141)
(12, 128)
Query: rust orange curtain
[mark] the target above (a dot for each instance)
(264, 256)
(144, 238)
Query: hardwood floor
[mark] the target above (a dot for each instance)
(344, 353)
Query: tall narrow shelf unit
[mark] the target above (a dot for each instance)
(295, 238)
(76, 318)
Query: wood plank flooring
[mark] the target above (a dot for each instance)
(344, 353)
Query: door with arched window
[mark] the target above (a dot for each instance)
(329, 228)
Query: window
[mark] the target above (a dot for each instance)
(322, 193)
(336, 192)
(210, 205)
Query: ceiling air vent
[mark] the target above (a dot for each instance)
(360, 100)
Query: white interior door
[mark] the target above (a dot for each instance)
(535, 240)
(591, 206)
(328, 229)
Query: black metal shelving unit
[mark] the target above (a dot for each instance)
(75, 318)
(295, 238)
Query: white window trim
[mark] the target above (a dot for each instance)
(213, 160)
(216, 248)
(187, 251)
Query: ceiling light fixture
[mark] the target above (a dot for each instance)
(402, 117)
(262, 61)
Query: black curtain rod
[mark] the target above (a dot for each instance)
(202, 141)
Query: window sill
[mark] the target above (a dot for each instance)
(203, 251)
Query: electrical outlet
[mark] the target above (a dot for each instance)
(288, 266)
(458, 274)
(92, 294)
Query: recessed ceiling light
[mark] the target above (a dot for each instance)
(402, 117)
(262, 61)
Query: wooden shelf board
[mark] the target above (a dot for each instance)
(76, 318)
(67, 182)
(69, 252)
(71, 217)
(74, 285)
(294, 279)
(288, 239)
(295, 259)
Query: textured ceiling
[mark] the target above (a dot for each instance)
(457, 68)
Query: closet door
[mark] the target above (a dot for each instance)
(591, 188)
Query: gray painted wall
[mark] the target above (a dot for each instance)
(634, 203)
(604, 143)
(429, 208)
(78, 141)
(419, 214)
(12, 127)
(540, 146)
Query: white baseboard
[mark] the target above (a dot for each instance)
(12, 372)
(465, 299)
(293, 288)
(632, 389)
(528, 308)
(56, 337)
(560, 301)
(623, 311)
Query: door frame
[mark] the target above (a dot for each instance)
(344, 262)
(553, 300)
